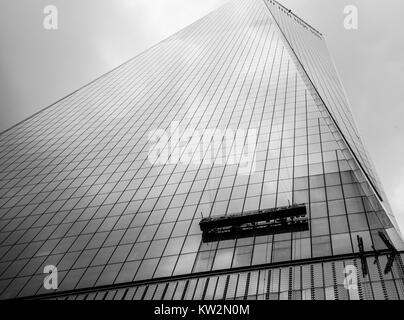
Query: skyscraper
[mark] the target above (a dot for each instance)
(222, 163)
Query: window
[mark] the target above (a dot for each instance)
(262, 253)
(336, 207)
(146, 269)
(156, 249)
(191, 244)
(357, 222)
(318, 210)
(147, 233)
(334, 193)
(301, 248)
(319, 227)
(204, 261)
(317, 195)
(332, 179)
(339, 224)
(102, 256)
(166, 266)
(223, 258)
(341, 243)
(181, 228)
(317, 181)
(171, 214)
(354, 205)
(321, 246)
(242, 256)
(281, 251)
(174, 246)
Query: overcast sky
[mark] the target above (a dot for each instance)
(38, 66)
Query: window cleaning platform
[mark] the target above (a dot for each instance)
(291, 218)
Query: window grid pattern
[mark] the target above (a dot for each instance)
(311, 50)
(79, 190)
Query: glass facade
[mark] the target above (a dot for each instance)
(240, 111)
(318, 281)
